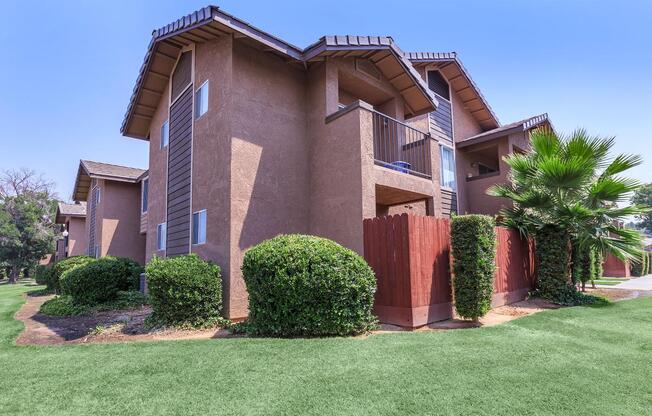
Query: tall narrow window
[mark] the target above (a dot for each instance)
(145, 194)
(161, 231)
(447, 167)
(199, 227)
(165, 134)
(201, 100)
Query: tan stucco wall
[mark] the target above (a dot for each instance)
(120, 218)
(77, 237)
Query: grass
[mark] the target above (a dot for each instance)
(610, 281)
(580, 361)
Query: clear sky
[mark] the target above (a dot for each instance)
(67, 68)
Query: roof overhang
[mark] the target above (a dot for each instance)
(461, 82)
(210, 23)
(517, 127)
(84, 178)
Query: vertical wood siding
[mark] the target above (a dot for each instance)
(92, 219)
(179, 175)
(441, 127)
(448, 202)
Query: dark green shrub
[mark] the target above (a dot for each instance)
(42, 274)
(638, 265)
(552, 262)
(184, 291)
(65, 306)
(100, 280)
(61, 267)
(473, 246)
(302, 285)
(62, 306)
(598, 265)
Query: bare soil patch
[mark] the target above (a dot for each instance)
(102, 327)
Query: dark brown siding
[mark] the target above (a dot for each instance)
(441, 124)
(92, 219)
(179, 173)
(448, 202)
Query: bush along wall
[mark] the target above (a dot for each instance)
(184, 291)
(473, 245)
(552, 263)
(60, 268)
(302, 285)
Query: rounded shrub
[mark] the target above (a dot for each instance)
(42, 274)
(100, 280)
(473, 245)
(184, 291)
(60, 268)
(303, 285)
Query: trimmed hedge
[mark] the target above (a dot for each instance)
(42, 274)
(473, 245)
(598, 265)
(552, 263)
(184, 291)
(301, 285)
(100, 280)
(60, 268)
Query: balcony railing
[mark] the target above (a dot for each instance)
(400, 147)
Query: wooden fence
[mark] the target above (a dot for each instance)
(411, 258)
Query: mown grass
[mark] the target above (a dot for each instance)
(580, 361)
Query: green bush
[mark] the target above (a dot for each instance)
(598, 265)
(100, 280)
(60, 268)
(42, 274)
(302, 285)
(473, 246)
(184, 291)
(65, 306)
(638, 266)
(552, 262)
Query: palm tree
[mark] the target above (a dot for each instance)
(573, 185)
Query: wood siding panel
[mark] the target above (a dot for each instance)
(441, 122)
(92, 234)
(448, 202)
(179, 175)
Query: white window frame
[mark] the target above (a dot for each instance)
(143, 196)
(199, 94)
(161, 236)
(441, 167)
(199, 240)
(165, 134)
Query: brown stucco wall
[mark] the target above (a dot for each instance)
(120, 219)
(77, 237)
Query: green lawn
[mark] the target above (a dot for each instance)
(610, 281)
(580, 361)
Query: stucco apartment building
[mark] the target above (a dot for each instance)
(72, 218)
(251, 137)
(116, 205)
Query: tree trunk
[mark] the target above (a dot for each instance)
(583, 286)
(13, 276)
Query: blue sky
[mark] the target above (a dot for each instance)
(68, 67)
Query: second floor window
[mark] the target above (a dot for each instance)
(165, 134)
(201, 100)
(145, 194)
(161, 231)
(199, 227)
(447, 167)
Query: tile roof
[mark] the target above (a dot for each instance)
(517, 126)
(106, 170)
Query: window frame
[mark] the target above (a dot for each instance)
(144, 196)
(165, 127)
(198, 99)
(198, 215)
(443, 147)
(161, 236)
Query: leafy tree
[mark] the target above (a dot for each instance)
(27, 232)
(643, 196)
(573, 185)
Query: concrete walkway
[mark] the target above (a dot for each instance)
(639, 283)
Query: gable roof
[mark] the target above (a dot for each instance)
(210, 23)
(461, 82)
(96, 170)
(70, 210)
(515, 127)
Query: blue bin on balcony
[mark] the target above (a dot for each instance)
(401, 166)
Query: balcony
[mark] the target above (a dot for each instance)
(400, 147)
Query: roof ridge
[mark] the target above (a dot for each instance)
(110, 164)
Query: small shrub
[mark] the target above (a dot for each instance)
(552, 262)
(473, 245)
(303, 285)
(62, 306)
(60, 268)
(571, 297)
(65, 306)
(42, 274)
(184, 291)
(638, 265)
(100, 280)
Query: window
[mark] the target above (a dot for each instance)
(201, 100)
(165, 134)
(447, 167)
(145, 194)
(437, 83)
(199, 227)
(161, 231)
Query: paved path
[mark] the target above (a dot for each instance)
(639, 283)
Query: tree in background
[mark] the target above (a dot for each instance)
(643, 197)
(569, 188)
(27, 230)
